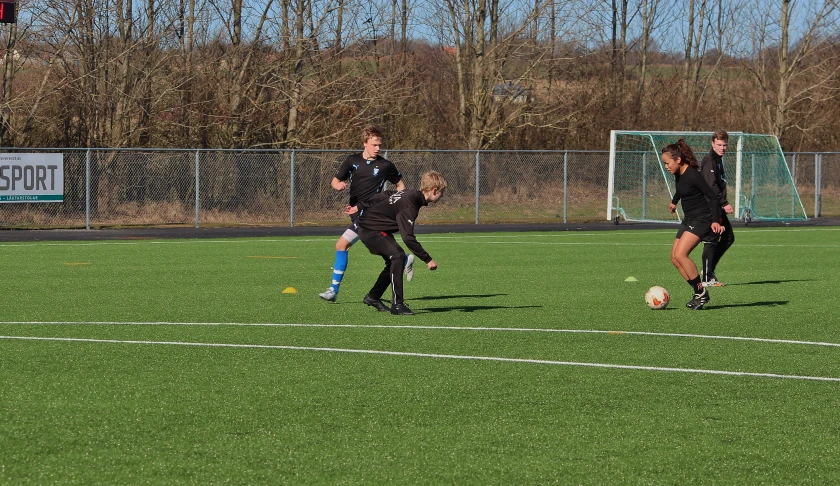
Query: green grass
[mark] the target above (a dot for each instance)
(128, 391)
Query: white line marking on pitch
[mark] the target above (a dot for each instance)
(434, 328)
(438, 356)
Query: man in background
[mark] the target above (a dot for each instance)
(716, 245)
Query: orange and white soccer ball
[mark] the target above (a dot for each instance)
(657, 297)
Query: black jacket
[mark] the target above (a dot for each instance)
(393, 211)
(712, 169)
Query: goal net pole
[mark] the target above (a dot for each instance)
(739, 152)
(611, 181)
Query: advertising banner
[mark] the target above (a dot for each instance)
(31, 178)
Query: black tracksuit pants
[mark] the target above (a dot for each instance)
(716, 246)
(385, 245)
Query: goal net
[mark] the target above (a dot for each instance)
(758, 182)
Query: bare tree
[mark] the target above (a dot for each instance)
(186, 40)
(505, 73)
(242, 81)
(796, 78)
(7, 83)
(648, 15)
(618, 54)
(339, 25)
(295, 75)
(723, 33)
(695, 41)
(404, 28)
(491, 97)
(51, 54)
(125, 22)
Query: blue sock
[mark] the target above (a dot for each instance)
(339, 268)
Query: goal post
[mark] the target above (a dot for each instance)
(759, 183)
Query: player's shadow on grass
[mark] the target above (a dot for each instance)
(466, 296)
(470, 308)
(766, 282)
(473, 308)
(769, 303)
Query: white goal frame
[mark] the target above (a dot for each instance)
(742, 210)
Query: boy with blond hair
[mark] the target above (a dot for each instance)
(383, 215)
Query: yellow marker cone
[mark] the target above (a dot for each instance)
(289, 290)
(631, 279)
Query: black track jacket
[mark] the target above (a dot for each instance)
(393, 211)
(712, 169)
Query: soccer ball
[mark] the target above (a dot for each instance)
(657, 297)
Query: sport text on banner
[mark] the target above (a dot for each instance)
(31, 178)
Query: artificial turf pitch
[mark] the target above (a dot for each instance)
(530, 360)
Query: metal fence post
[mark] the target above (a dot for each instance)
(87, 189)
(739, 152)
(752, 185)
(565, 184)
(818, 185)
(292, 191)
(793, 188)
(197, 188)
(477, 184)
(644, 185)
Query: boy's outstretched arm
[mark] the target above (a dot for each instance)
(405, 221)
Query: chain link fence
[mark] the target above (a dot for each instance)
(817, 179)
(136, 187)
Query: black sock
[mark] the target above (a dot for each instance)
(696, 285)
